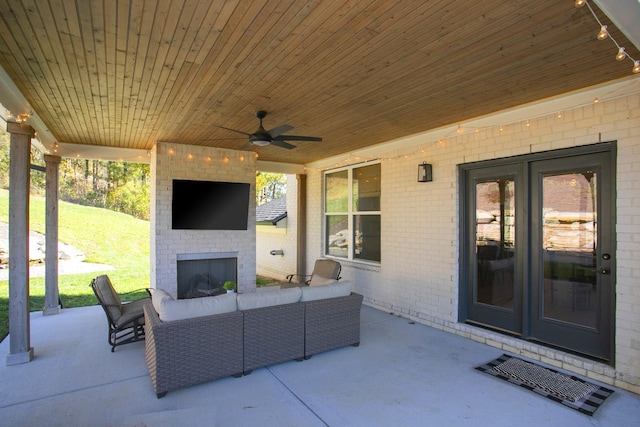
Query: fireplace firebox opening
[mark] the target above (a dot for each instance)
(201, 275)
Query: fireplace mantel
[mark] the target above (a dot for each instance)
(206, 255)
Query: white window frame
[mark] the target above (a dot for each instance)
(350, 213)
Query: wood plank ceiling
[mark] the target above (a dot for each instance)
(129, 73)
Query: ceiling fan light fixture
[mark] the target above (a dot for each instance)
(260, 142)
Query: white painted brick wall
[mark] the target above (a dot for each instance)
(175, 161)
(418, 276)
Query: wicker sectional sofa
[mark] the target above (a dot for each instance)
(186, 345)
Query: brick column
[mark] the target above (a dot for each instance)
(20, 350)
(51, 296)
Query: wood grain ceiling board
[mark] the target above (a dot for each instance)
(120, 73)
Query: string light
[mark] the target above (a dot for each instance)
(419, 152)
(604, 33)
(19, 118)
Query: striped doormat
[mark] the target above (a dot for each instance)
(571, 391)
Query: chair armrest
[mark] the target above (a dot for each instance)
(148, 290)
(291, 276)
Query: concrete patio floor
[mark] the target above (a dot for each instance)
(402, 374)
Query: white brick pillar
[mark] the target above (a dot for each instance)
(51, 295)
(20, 350)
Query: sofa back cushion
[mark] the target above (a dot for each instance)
(332, 290)
(268, 298)
(169, 309)
(321, 281)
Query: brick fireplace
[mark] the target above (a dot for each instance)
(168, 246)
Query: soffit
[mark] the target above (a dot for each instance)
(125, 75)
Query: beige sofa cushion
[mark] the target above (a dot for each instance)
(169, 309)
(268, 297)
(157, 295)
(332, 290)
(321, 281)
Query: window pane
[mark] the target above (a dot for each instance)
(337, 235)
(367, 237)
(366, 188)
(337, 192)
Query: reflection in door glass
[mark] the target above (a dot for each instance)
(569, 246)
(495, 239)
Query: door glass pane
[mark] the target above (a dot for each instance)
(569, 244)
(338, 235)
(495, 242)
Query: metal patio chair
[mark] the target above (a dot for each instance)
(126, 320)
(324, 270)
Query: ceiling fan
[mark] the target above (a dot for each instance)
(262, 137)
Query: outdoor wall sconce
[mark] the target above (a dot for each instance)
(425, 172)
(277, 252)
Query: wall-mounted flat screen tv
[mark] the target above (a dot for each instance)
(210, 205)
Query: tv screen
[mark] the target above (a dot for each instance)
(209, 205)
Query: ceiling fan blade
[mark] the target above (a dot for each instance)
(247, 145)
(279, 130)
(224, 139)
(234, 130)
(282, 144)
(297, 138)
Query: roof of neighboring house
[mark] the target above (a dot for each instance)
(272, 211)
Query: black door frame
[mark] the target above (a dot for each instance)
(467, 235)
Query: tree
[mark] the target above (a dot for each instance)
(270, 186)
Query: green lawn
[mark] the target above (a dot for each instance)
(105, 237)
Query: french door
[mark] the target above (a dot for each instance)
(538, 248)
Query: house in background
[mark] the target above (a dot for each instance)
(276, 251)
(507, 102)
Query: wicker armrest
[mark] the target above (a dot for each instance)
(185, 352)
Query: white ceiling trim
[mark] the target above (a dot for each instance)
(625, 14)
